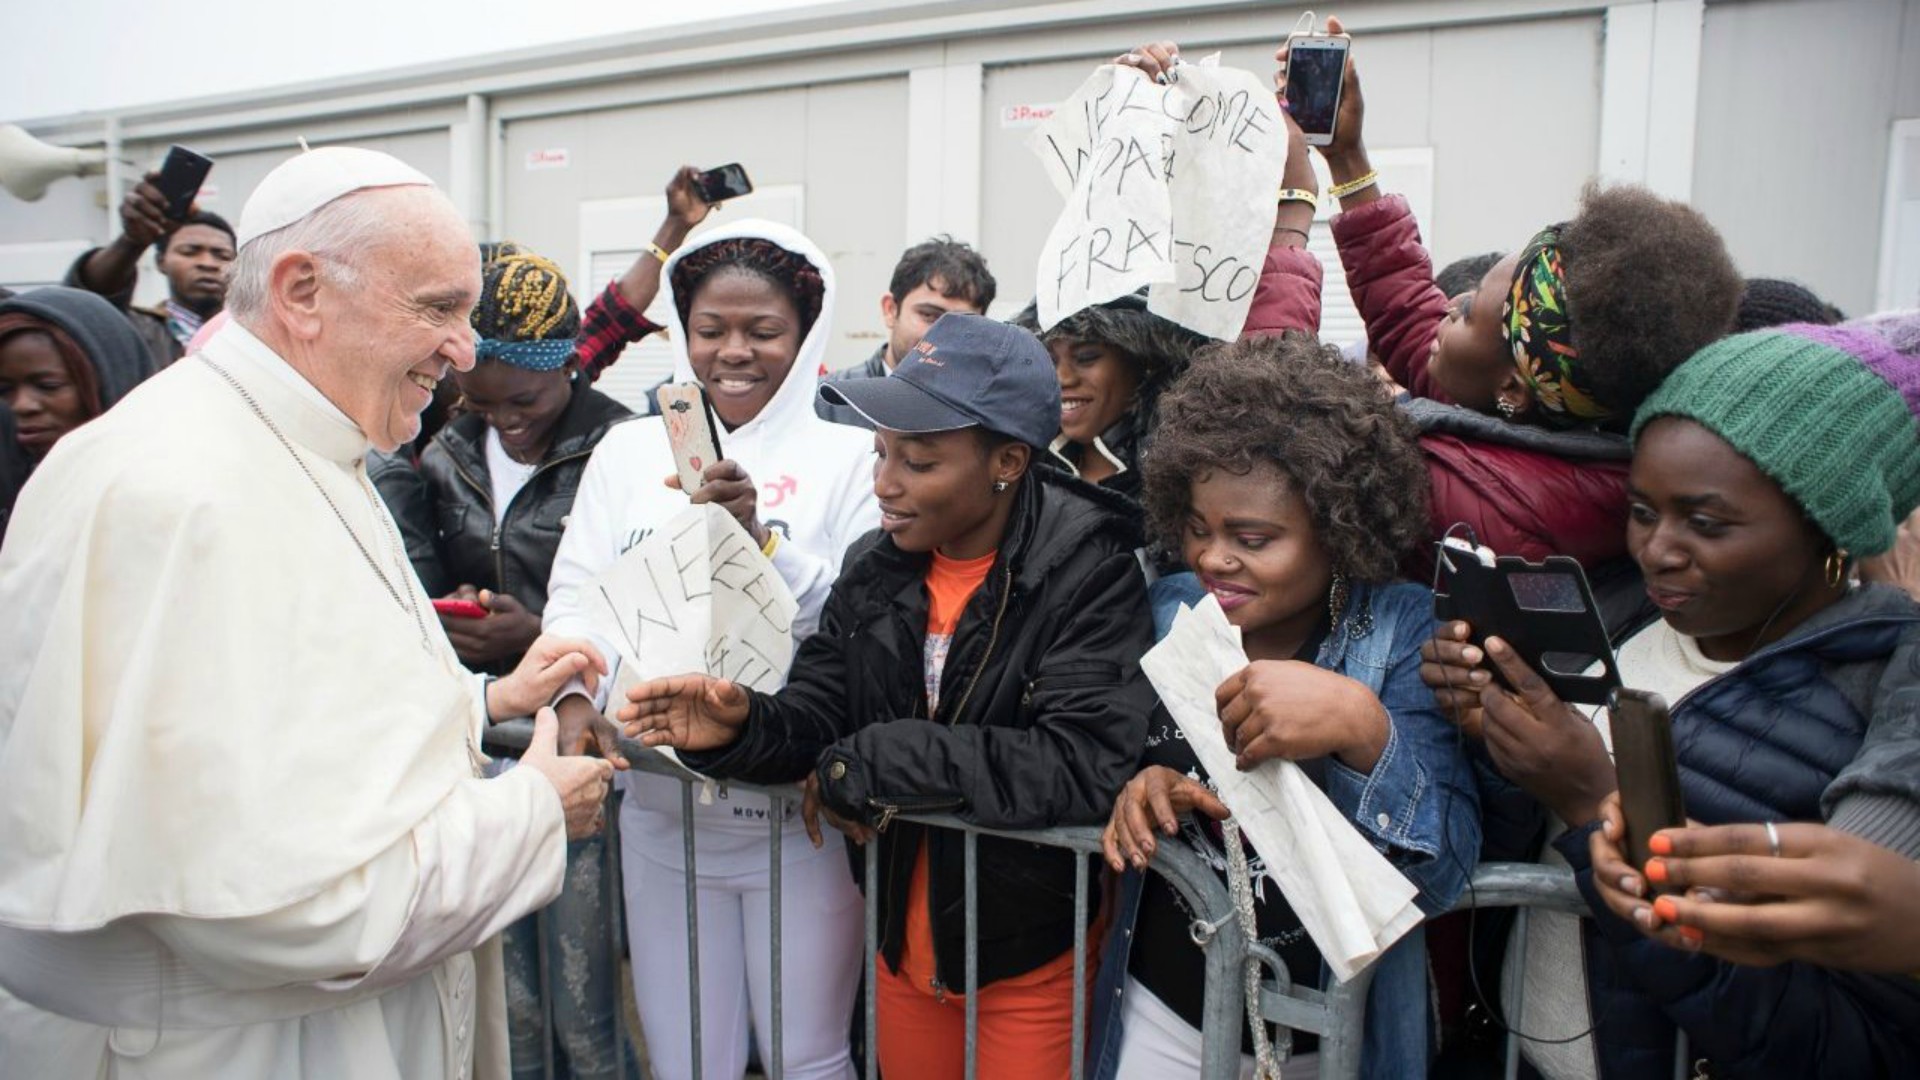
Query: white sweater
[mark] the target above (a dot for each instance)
(815, 482)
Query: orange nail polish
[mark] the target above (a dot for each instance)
(1660, 844)
(1657, 871)
(1666, 908)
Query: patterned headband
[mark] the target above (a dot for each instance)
(1535, 324)
(549, 354)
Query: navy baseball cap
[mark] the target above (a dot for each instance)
(969, 371)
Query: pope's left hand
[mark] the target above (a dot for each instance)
(549, 663)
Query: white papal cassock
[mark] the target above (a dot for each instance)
(241, 832)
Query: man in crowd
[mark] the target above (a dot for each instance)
(931, 279)
(193, 253)
(242, 832)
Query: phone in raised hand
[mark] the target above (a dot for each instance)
(723, 183)
(1316, 70)
(181, 175)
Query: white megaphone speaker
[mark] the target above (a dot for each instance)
(28, 165)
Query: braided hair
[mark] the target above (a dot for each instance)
(523, 297)
(787, 271)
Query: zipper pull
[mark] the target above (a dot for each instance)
(496, 538)
(939, 989)
(887, 810)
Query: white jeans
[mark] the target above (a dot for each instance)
(821, 921)
(1156, 1043)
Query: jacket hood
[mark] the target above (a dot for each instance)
(120, 359)
(1160, 346)
(794, 398)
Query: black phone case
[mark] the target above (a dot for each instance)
(180, 178)
(1644, 765)
(714, 187)
(1484, 596)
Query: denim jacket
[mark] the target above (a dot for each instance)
(1419, 807)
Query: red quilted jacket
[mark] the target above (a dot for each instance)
(1519, 501)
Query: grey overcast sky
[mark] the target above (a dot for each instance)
(79, 55)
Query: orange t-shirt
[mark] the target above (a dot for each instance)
(950, 584)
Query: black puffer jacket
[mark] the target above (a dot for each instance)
(515, 557)
(1043, 717)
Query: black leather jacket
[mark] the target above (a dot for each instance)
(515, 557)
(1043, 717)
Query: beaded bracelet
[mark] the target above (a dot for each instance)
(1358, 183)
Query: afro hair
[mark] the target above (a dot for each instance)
(1325, 423)
(1649, 283)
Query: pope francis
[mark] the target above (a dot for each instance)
(242, 832)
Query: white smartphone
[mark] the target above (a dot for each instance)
(1316, 70)
(692, 430)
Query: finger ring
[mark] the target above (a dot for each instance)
(1773, 839)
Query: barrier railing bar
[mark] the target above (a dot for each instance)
(693, 919)
(776, 814)
(540, 959)
(970, 844)
(1079, 967)
(616, 901)
(1336, 1014)
(870, 980)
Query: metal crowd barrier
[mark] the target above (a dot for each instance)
(1336, 1015)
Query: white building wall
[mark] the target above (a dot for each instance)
(866, 107)
(1797, 104)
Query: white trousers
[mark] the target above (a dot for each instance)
(1157, 1043)
(821, 953)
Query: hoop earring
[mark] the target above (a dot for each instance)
(999, 487)
(1337, 594)
(1836, 567)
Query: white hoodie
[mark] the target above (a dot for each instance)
(815, 483)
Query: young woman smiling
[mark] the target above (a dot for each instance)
(978, 656)
(752, 301)
(501, 479)
(1291, 486)
(65, 357)
(1762, 469)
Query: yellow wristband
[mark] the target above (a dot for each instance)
(773, 543)
(1358, 183)
(1294, 194)
(658, 252)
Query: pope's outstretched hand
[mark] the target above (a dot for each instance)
(580, 781)
(686, 712)
(550, 663)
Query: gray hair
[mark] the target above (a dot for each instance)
(339, 234)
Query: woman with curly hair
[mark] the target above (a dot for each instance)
(753, 303)
(1292, 487)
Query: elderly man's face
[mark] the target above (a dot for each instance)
(393, 332)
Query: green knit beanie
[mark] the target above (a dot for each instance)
(1831, 413)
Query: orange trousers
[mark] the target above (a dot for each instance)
(1025, 1025)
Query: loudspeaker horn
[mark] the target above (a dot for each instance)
(28, 165)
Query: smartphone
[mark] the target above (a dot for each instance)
(1544, 610)
(723, 183)
(692, 430)
(1316, 70)
(181, 175)
(1643, 762)
(460, 609)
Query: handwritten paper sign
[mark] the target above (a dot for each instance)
(696, 596)
(1350, 899)
(1170, 187)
